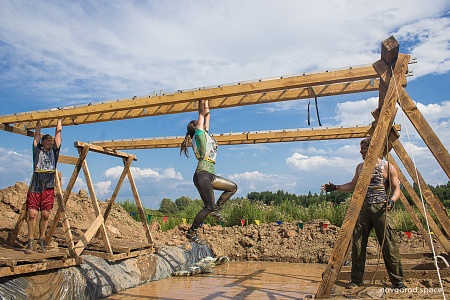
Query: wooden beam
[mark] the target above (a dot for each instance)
(389, 50)
(273, 136)
(126, 166)
(65, 159)
(238, 89)
(65, 221)
(139, 207)
(418, 203)
(83, 153)
(375, 151)
(102, 150)
(15, 232)
(97, 211)
(440, 213)
(225, 102)
(425, 131)
(16, 130)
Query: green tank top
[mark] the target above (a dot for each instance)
(205, 149)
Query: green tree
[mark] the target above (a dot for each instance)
(183, 202)
(168, 206)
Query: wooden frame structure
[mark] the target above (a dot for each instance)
(387, 76)
(98, 226)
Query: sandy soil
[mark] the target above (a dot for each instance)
(286, 242)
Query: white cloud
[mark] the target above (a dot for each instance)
(103, 188)
(140, 50)
(15, 166)
(431, 45)
(142, 174)
(79, 185)
(257, 181)
(353, 113)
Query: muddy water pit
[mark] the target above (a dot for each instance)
(236, 280)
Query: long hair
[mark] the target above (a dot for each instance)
(190, 131)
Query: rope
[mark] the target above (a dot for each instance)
(420, 191)
(146, 183)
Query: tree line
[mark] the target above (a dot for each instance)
(270, 198)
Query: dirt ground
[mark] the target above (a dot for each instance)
(285, 242)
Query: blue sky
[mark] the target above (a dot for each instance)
(64, 53)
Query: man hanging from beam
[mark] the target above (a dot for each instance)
(41, 195)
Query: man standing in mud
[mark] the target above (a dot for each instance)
(375, 213)
(41, 194)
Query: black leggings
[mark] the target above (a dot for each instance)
(206, 183)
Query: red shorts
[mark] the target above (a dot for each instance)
(41, 201)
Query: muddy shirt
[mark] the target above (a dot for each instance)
(376, 192)
(44, 166)
(205, 149)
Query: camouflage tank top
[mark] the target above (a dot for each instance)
(376, 192)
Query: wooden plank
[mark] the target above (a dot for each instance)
(65, 221)
(382, 274)
(22, 217)
(99, 149)
(389, 50)
(97, 211)
(117, 256)
(137, 199)
(418, 203)
(40, 266)
(16, 130)
(126, 167)
(220, 91)
(272, 136)
(425, 131)
(65, 159)
(82, 156)
(375, 151)
(90, 232)
(441, 215)
(368, 85)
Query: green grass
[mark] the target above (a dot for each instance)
(257, 212)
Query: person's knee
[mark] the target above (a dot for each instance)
(45, 214)
(235, 188)
(32, 213)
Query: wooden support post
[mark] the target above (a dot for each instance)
(440, 236)
(425, 131)
(416, 221)
(126, 162)
(441, 215)
(87, 236)
(64, 221)
(379, 140)
(139, 207)
(69, 187)
(97, 211)
(15, 232)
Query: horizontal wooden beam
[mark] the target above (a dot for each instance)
(344, 81)
(100, 149)
(274, 136)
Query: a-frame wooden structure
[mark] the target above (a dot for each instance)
(98, 225)
(387, 76)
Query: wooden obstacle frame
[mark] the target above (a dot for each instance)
(15, 262)
(118, 250)
(387, 76)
